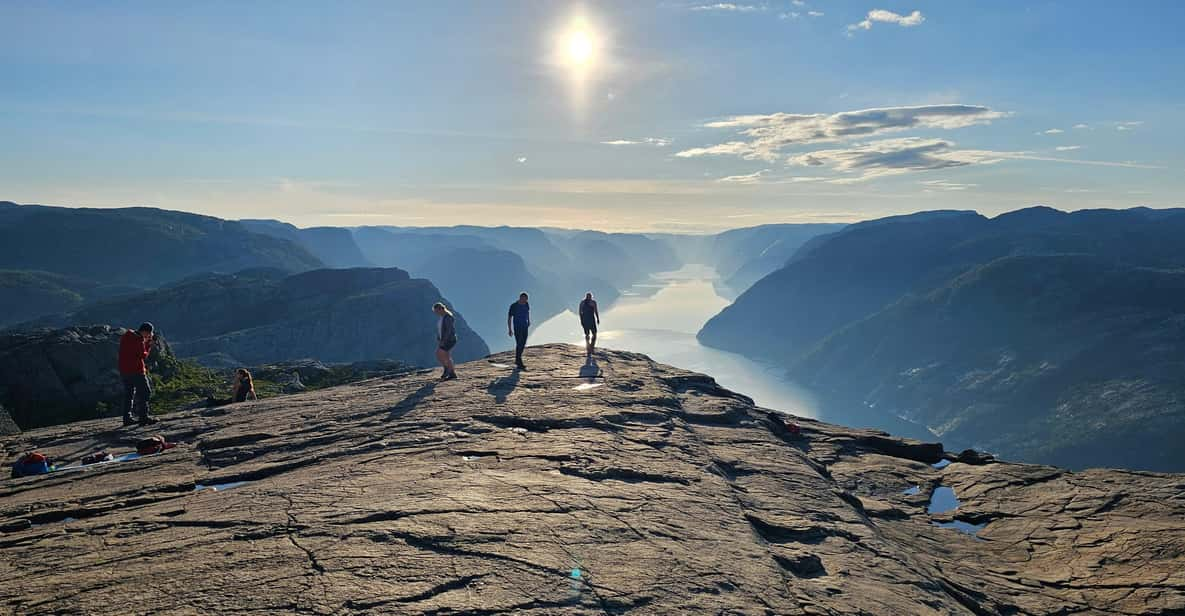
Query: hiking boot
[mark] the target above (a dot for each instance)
(128, 421)
(450, 376)
(522, 366)
(148, 421)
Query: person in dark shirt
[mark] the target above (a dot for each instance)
(590, 318)
(518, 320)
(134, 347)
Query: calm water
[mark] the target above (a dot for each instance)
(660, 318)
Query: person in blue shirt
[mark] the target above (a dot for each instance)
(518, 320)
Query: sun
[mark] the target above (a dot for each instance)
(579, 47)
(580, 56)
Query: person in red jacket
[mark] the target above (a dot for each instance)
(134, 347)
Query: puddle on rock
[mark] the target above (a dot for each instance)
(499, 365)
(963, 527)
(61, 521)
(219, 487)
(941, 464)
(942, 500)
(587, 386)
(912, 491)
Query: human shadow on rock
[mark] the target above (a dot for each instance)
(501, 387)
(412, 400)
(590, 369)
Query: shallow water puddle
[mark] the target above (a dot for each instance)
(587, 386)
(219, 487)
(912, 491)
(942, 500)
(941, 464)
(499, 365)
(963, 527)
(61, 521)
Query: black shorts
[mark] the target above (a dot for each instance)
(589, 328)
(448, 345)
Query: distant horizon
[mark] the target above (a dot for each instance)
(578, 229)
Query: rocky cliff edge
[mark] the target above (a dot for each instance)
(625, 487)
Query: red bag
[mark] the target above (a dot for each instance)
(153, 444)
(33, 457)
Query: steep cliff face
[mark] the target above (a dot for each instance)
(621, 487)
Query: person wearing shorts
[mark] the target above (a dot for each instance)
(446, 339)
(590, 318)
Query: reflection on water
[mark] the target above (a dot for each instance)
(660, 318)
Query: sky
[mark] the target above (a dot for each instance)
(682, 116)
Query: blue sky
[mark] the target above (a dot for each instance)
(679, 115)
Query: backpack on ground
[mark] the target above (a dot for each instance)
(32, 463)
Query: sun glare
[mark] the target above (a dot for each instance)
(580, 57)
(579, 47)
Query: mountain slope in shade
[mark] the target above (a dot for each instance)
(744, 256)
(26, 295)
(1006, 358)
(137, 246)
(259, 316)
(334, 246)
(657, 492)
(844, 278)
(1070, 345)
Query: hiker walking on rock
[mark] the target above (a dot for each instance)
(134, 347)
(446, 339)
(518, 321)
(590, 318)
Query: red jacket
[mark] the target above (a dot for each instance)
(133, 350)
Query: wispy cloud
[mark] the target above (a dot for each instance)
(1067, 148)
(521, 159)
(1128, 125)
(728, 7)
(1051, 131)
(894, 156)
(659, 142)
(889, 17)
(945, 185)
(765, 136)
(1081, 126)
(815, 13)
(751, 178)
(1127, 164)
